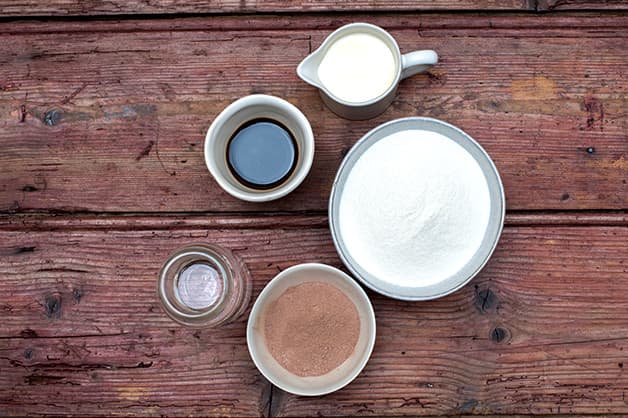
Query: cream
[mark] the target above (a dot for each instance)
(357, 68)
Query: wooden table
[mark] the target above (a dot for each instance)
(104, 107)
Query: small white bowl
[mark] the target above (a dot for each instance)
(340, 376)
(247, 108)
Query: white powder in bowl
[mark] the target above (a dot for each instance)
(414, 209)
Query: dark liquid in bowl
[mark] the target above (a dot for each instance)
(262, 154)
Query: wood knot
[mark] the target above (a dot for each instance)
(28, 333)
(595, 113)
(486, 300)
(23, 113)
(468, 406)
(591, 150)
(22, 250)
(499, 335)
(52, 117)
(77, 294)
(52, 306)
(435, 77)
(145, 151)
(42, 379)
(29, 188)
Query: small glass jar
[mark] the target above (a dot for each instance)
(204, 285)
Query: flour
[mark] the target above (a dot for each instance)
(414, 208)
(357, 68)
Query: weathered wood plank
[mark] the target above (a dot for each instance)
(170, 372)
(117, 7)
(589, 24)
(552, 5)
(543, 329)
(18, 8)
(80, 114)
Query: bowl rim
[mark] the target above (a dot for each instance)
(300, 172)
(335, 196)
(256, 310)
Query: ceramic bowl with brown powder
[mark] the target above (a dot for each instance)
(311, 330)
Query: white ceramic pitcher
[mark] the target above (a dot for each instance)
(406, 65)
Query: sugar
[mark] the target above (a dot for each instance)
(357, 68)
(414, 209)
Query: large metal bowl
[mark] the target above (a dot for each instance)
(492, 233)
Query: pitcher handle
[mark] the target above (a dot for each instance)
(417, 61)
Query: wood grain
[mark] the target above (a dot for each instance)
(542, 329)
(133, 7)
(554, 5)
(119, 7)
(99, 117)
(89, 125)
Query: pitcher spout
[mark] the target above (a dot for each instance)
(308, 69)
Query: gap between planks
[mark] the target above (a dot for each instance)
(267, 220)
(442, 20)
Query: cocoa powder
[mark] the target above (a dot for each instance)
(311, 328)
